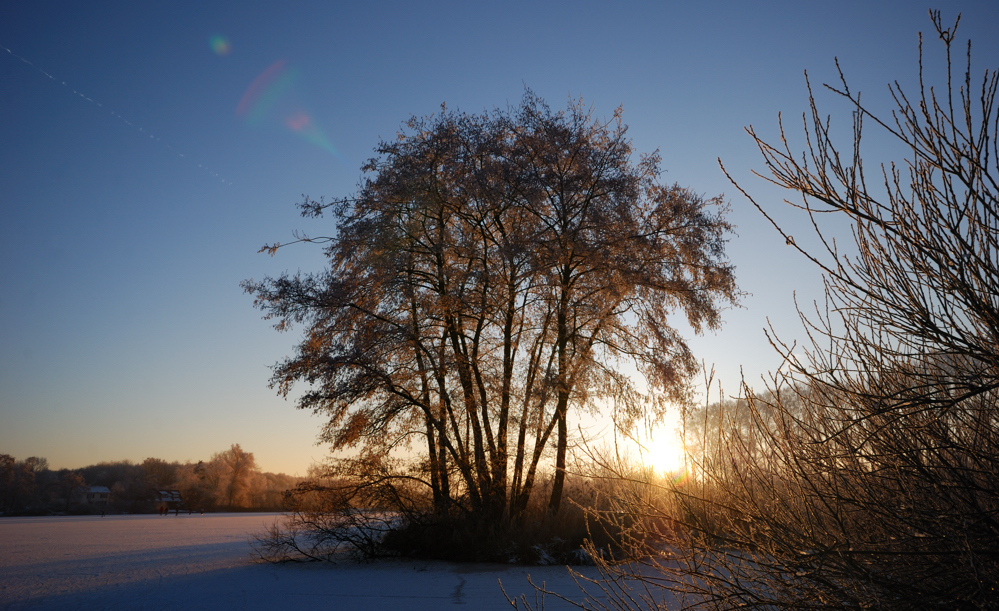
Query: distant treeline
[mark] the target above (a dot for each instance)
(229, 481)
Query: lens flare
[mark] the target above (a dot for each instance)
(220, 44)
(298, 121)
(273, 98)
(679, 477)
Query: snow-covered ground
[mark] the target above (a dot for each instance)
(204, 562)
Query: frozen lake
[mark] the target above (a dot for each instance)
(204, 562)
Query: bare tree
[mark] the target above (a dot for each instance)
(488, 277)
(869, 476)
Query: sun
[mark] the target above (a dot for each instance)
(664, 453)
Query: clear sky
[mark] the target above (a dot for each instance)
(147, 150)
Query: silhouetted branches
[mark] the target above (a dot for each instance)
(489, 277)
(867, 475)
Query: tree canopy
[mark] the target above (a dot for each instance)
(493, 273)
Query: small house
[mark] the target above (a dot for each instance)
(98, 495)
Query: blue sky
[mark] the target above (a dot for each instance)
(123, 330)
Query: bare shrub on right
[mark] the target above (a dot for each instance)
(867, 476)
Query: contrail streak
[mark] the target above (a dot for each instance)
(117, 115)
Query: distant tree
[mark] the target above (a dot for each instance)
(869, 477)
(7, 479)
(159, 474)
(110, 472)
(17, 482)
(212, 476)
(267, 490)
(226, 480)
(69, 483)
(492, 273)
(196, 486)
(229, 479)
(238, 467)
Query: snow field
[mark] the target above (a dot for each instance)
(204, 562)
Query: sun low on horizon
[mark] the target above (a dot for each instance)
(663, 451)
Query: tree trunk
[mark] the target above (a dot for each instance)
(555, 502)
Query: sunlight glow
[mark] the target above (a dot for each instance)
(663, 452)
